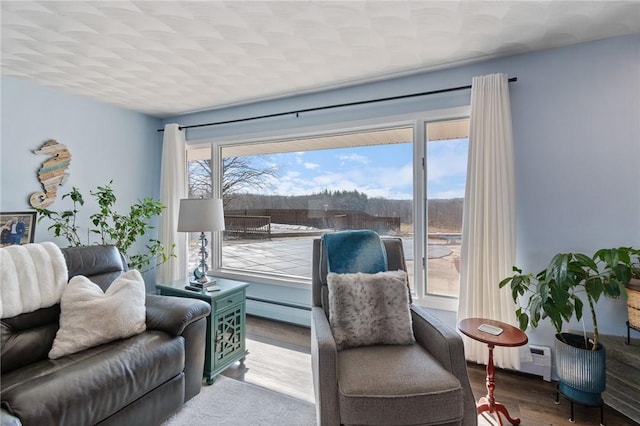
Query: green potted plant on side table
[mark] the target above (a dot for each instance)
(558, 293)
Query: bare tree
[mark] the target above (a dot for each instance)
(239, 175)
(200, 183)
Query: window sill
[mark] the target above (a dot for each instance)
(437, 302)
(256, 278)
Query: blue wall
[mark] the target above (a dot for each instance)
(106, 143)
(577, 144)
(577, 136)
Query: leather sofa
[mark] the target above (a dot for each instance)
(140, 380)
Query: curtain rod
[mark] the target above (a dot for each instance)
(296, 112)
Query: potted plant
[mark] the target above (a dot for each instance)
(558, 293)
(113, 228)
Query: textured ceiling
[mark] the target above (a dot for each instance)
(169, 57)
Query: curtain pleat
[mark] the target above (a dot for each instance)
(173, 183)
(488, 228)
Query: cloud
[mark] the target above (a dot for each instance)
(384, 182)
(447, 194)
(446, 159)
(389, 194)
(394, 177)
(377, 173)
(355, 158)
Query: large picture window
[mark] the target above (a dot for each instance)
(281, 194)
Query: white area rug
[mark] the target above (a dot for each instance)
(233, 403)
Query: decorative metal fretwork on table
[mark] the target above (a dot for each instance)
(229, 333)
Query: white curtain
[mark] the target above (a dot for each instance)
(173, 184)
(488, 226)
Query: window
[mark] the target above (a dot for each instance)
(281, 194)
(446, 172)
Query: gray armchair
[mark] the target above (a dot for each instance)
(425, 383)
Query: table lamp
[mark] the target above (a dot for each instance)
(201, 215)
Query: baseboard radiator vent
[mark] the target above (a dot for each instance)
(279, 310)
(541, 362)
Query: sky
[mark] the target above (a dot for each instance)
(379, 171)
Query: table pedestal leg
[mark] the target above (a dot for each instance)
(488, 403)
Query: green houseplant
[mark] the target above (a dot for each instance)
(555, 292)
(558, 293)
(111, 227)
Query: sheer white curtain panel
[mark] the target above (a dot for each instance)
(173, 184)
(488, 226)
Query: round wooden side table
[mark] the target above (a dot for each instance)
(510, 337)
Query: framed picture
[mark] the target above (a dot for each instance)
(17, 227)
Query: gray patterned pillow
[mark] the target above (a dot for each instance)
(369, 309)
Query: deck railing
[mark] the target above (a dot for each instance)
(329, 219)
(247, 227)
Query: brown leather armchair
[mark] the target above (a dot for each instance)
(425, 383)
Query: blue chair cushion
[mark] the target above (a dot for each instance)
(349, 252)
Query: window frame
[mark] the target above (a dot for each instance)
(443, 302)
(416, 120)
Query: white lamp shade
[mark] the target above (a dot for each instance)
(200, 215)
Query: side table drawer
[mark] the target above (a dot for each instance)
(228, 301)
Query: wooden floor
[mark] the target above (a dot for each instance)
(279, 359)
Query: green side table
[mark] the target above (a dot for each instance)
(226, 325)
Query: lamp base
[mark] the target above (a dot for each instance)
(200, 274)
(208, 286)
(199, 283)
(203, 279)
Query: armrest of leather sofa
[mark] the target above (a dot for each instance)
(180, 316)
(174, 314)
(446, 345)
(324, 363)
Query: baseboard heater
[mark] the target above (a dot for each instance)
(279, 310)
(541, 362)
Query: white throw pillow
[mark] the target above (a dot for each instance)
(91, 317)
(369, 309)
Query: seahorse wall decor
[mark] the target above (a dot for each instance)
(52, 174)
